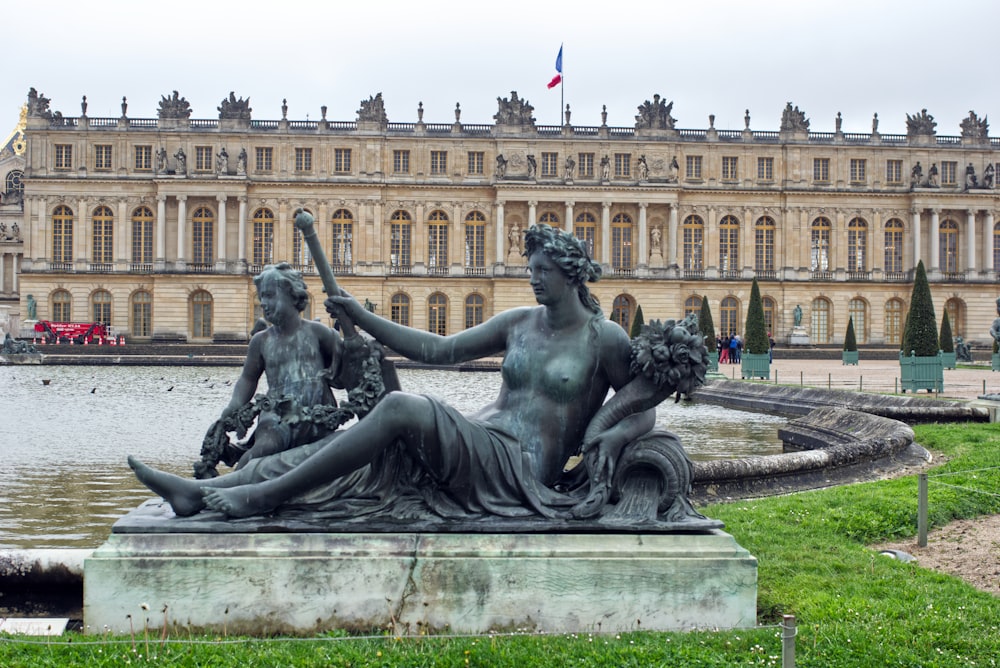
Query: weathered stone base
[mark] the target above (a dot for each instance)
(411, 583)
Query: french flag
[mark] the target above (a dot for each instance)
(557, 79)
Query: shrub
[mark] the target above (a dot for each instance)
(850, 340)
(706, 325)
(756, 331)
(637, 323)
(947, 343)
(921, 334)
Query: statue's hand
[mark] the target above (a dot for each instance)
(342, 305)
(608, 447)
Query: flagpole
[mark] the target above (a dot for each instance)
(562, 90)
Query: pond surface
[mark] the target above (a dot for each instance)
(63, 476)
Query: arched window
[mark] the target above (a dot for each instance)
(948, 249)
(769, 310)
(437, 242)
(475, 240)
(263, 238)
(729, 316)
(894, 322)
(763, 247)
(301, 257)
(857, 309)
(14, 183)
(996, 246)
(202, 237)
(549, 218)
(694, 235)
(103, 226)
(201, 315)
(819, 245)
(400, 227)
(857, 246)
(100, 303)
(622, 310)
(142, 314)
(61, 306)
(955, 308)
(585, 229)
(399, 309)
(62, 234)
(894, 246)
(621, 241)
(342, 250)
(142, 238)
(692, 305)
(474, 307)
(437, 314)
(819, 321)
(729, 245)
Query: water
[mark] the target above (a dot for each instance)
(64, 480)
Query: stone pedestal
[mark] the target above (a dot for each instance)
(798, 337)
(259, 583)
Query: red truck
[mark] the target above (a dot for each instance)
(71, 332)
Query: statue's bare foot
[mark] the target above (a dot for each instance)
(235, 501)
(183, 495)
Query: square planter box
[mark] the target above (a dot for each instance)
(849, 357)
(948, 359)
(995, 362)
(713, 361)
(921, 373)
(756, 366)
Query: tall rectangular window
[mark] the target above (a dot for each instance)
(859, 170)
(475, 242)
(144, 158)
(894, 172)
(437, 245)
(765, 169)
(439, 162)
(585, 165)
(102, 157)
(550, 164)
(948, 173)
(692, 165)
(476, 160)
(202, 158)
(264, 158)
(64, 156)
(303, 159)
(342, 160)
(623, 165)
(821, 170)
(730, 171)
(400, 162)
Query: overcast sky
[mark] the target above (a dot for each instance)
(717, 57)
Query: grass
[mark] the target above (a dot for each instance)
(853, 607)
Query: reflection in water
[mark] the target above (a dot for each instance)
(64, 480)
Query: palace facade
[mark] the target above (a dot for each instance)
(157, 226)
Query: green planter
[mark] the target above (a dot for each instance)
(849, 357)
(756, 366)
(921, 373)
(713, 361)
(948, 359)
(995, 362)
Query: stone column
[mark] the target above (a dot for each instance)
(970, 226)
(220, 253)
(568, 224)
(876, 258)
(160, 253)
(81, 234)
(605, 232)
(710, 242)
(122, 233)
(418, 237)
(988, 242)
(935, 262)
(532, 213)
(15, 274)
(915, 224)
(643, 258)
(3, 261)
(281, 237)
(181, 229)
(500, 234)
(241, 241)
(672, 237)
(456, 245)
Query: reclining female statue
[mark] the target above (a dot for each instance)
(559, 360)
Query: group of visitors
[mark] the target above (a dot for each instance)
(730, 348)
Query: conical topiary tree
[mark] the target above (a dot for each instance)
(945, 340)
(850, 339)
(756, 342)
(706, 325)
(637, 322)
(921, 333)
